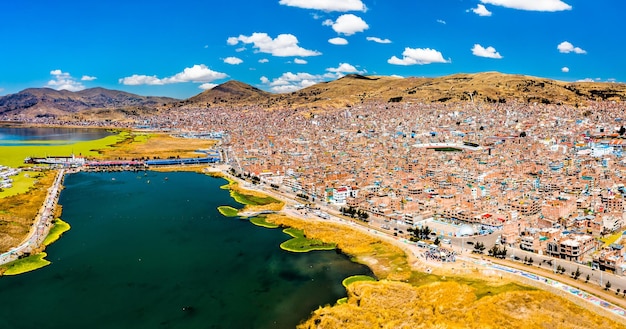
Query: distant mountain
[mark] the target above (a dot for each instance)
(231, 92)
(49, 102)
(350, 90)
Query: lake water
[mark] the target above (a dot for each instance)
(142, 248)
(14, 135)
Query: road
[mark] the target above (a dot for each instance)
(42, 225)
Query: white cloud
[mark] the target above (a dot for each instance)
(420, 56)
(566, 48)
(378, 40)
(565, 69)
(489, 52)
(64, 81)
(326, 5)
(283, 46)
(197, 73)
(136, 79)
(531, 5)
(338, 41)
(348, 24)
(207, 85)
(264, 80)
(233, 60)
(344, 68)
(263, 60)
(299, 61)
(88, 78)
(289, 82)
(481, 10)
(586, 80)
(441, 21)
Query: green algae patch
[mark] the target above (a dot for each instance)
(248, 198)
(352, 279)
(262, 221)
(13, 156)
(228, 211)
(56, 231)
(26, 264)
(299, 243)
(342, 301)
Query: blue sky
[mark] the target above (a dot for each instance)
(178, 48)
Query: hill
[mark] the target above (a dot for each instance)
(350, 90)
(46, 102)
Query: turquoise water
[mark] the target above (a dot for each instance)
(153, 252)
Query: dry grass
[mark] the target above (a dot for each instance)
(465, 298)
(391, 304)
(385, 259)
(18, 212)
(140, 145)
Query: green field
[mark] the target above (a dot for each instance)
(352, 279)
(13, 156)
(56, 231)
(228, 211)
(26, 264)
(261, 221)
(22, 182)
(299, 243)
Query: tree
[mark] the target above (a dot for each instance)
(577, 273)
(617, 292)
(607, 286)
(437, 242)
(587, 279)
(479, 247)
(530, 261)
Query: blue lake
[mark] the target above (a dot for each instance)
(14, 135)
(152, 251)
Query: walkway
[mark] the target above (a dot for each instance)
(42, 224)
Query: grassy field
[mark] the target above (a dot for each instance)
(24, 265)
(18, 212)
(300, 243)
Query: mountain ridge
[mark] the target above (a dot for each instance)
(347, 91)
(353, 89)
(51, 102)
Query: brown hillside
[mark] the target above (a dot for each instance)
(48, 102)
(488, 87)
(231, 92)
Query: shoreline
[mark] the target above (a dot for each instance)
(409, 252)
(42, 223)
(479, 266)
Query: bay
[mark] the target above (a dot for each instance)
(152, 251)
(17, 136)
